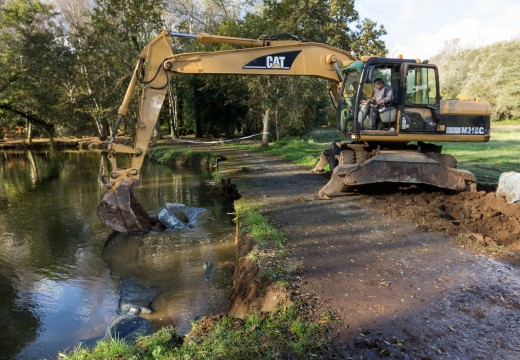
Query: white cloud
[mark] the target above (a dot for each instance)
(419, 28)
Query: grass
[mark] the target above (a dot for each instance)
(510, 122)
(304, 150)
(269, 251)
(283, 333)
(258, 226)
(488, 160)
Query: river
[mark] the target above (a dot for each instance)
(61, 269)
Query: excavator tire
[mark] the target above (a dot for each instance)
(119, 209)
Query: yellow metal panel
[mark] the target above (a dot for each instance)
(455, 107)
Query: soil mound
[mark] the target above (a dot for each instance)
(480, 221)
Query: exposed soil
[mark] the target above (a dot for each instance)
(412, 274)
(480, 221)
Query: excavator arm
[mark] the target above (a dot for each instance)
(155, 68)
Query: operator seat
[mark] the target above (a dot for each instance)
(388, 114)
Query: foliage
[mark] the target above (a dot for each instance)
(66, 66)
(489, 73)
(35, 64)
(107, 51)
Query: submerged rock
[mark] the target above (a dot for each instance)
(135, 298)
(181, 217)
(208, 270)
(509, 186)
(129, 327)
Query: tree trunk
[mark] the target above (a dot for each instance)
(276, 124)
(29, 132)
(172, 102)
(265, 135)
(158, 132)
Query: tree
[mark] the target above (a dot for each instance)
(106, 52)
(34, 63)
(294, 102)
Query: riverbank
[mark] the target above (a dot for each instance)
(405, 273)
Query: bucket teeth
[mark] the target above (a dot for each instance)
(120, 211)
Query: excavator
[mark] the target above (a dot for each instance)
(399, 150)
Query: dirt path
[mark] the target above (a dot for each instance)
(389, 266)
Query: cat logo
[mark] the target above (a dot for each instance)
(275, 62)
(278, 61)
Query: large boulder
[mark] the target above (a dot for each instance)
(509, 187)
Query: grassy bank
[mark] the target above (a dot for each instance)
(182, 156)
(280, 334)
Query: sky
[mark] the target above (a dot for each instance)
(420, 29)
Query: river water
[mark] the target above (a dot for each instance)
(61, 269)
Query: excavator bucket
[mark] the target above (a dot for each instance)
(120, 210)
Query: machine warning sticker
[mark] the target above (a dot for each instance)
(280, 61)
(466, 130)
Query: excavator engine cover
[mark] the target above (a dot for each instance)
(120, 210)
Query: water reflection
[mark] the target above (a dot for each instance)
(60, 276)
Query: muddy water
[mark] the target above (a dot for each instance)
(61, 269)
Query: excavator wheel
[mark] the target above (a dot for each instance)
(120, 210)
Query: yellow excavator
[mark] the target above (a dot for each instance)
(397, 150)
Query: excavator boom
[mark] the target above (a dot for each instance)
(157, 64)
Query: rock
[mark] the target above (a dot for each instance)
(129, 328)
(135, 298)
(181, 217)
(509, 187)
(208, 270)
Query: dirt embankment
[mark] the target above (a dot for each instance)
(479, 221)
(251, 292)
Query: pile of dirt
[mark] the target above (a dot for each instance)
(480, 221)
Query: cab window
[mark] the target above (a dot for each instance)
(421, 86)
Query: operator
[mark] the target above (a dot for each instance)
(382, 97)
